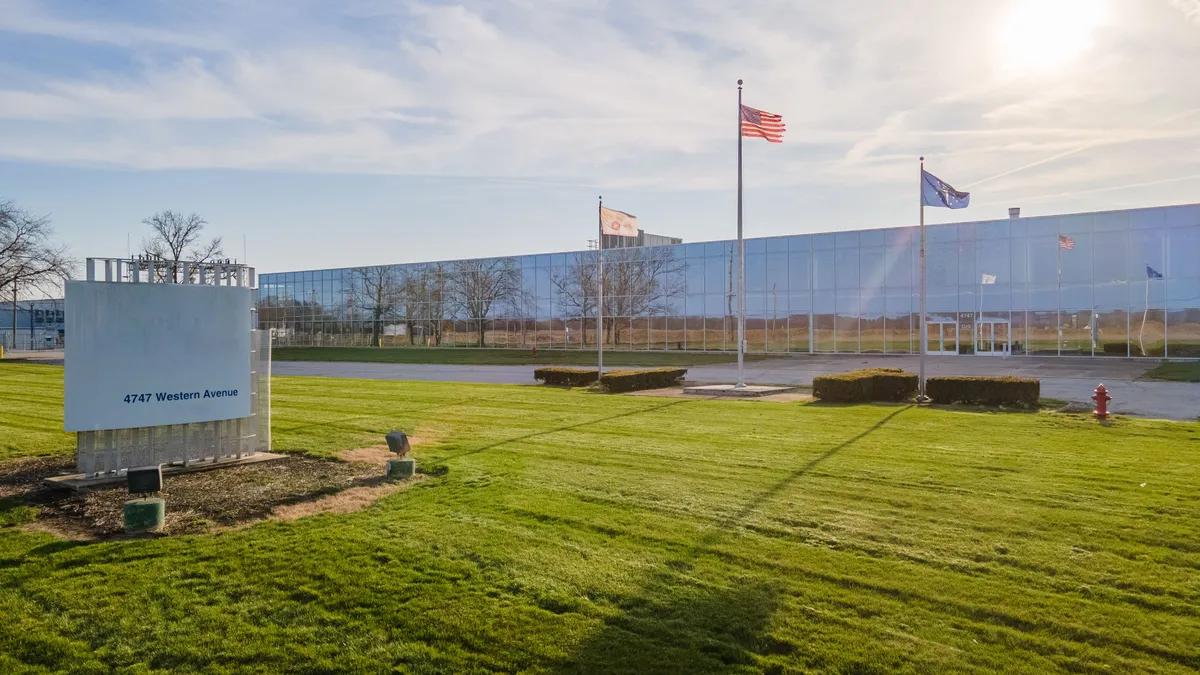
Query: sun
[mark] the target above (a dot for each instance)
(1044, 35)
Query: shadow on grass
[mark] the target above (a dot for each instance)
(352, 418)
(674, 627)
(678, 624)
(568, 427)
(799, 473)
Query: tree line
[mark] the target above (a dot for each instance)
(637, 282)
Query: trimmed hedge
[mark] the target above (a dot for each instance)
(566, 377)
(870, 384)
(618, 381)
(1118, 349)
(990, 391)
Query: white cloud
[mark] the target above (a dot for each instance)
(1190, 9)
(612, 93)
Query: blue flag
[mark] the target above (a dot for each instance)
(935, 192)
(1152, 273)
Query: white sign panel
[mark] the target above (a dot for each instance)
(143, 355)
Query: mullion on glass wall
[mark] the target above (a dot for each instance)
(845, 292)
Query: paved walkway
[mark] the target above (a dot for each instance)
(1070, 379)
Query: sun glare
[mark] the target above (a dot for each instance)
(1044, 35)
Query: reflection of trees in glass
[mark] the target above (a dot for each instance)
(376, 292)
(425, 296)
(476, 287)
(287, 308)
(637, 282)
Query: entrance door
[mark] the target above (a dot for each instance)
(943, 337)
(993, 338)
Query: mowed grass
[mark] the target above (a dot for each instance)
(31, 416)
(571, 532)
(509, 357)
(1188, 371)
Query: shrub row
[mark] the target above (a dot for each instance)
(566, 377)
(618, 381)
(871, 384)
(991, 391)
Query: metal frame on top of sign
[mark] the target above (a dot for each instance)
(164, 365)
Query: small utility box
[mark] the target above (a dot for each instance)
(145, 513)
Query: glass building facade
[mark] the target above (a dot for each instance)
(1002, 287)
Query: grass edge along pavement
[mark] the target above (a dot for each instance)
(574, 532)
(1175, 371)
(511, 357)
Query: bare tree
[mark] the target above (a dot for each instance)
(575, 288)
(376, 291)
(637, 282)
(478, 286)
(176, 238)
(425, 301)
(28, 257)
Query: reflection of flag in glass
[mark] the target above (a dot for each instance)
(1066, 243)
(618, 223)
(1152, 273)
(988, 279)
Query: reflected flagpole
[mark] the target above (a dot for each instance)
(924, 332)
(1145, 313)
(741, 353)
(600, 287)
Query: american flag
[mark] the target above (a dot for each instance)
(762, 124)
(1066, 242)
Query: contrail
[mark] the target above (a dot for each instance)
(1086, 146)
(1111, 188)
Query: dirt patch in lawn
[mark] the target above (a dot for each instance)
(288, 488)
(346, 501)
(378, 455)
(677, 392)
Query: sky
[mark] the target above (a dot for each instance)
(314, 134)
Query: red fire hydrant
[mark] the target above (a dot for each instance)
(1101, 398)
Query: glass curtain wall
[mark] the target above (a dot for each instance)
(1123, 283)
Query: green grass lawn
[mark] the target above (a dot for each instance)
(507, 357)
(31, 416)
(1175, 372)
(574, 532)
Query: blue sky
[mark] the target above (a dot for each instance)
(367, 131)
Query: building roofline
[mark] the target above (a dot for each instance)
(772, 236)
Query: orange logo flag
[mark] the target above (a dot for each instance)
(618, 223)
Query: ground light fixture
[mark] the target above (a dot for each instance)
(400, 466)
(145, 511)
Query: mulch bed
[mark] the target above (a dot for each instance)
(196, 502)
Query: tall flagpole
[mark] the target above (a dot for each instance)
(1142, 331)
(741, 383)
(600, 288)
(1058, 300)
(924, 330)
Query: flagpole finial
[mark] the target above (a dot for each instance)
(922, 159)
(739, 84)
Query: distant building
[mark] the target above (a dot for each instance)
(1108, 284)
(644, 238)
(39, 324)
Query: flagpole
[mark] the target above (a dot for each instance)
(1058, 301)
(741, 383)
(600, 287)
(979, 319)
(1142, 331)
(924, 330)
